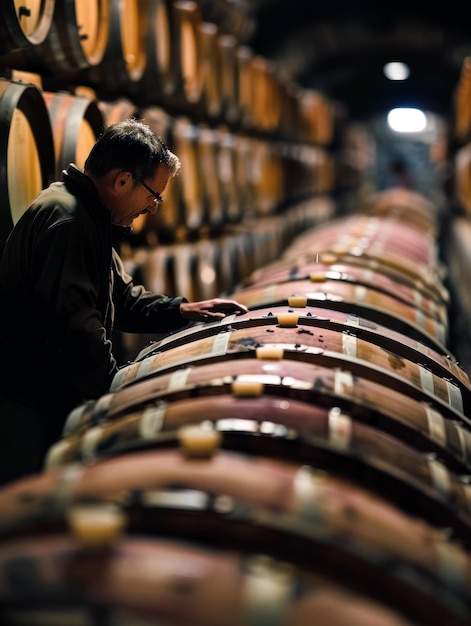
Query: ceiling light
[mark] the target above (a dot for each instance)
(407, 120)
(396, 70)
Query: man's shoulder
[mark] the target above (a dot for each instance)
(57, 202)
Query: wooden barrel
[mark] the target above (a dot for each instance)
(211, 70)
(261, 240)
(236, 257)
(185, 138)
(324, 171)
(124, 59)
(328, 439)
(244, 174)
(408, 206)
(183, 269)
(303, 214)
(461, 121)
(290, 111)
(22, 26)
(188, 22)
(245, 74)
(174, 72)
(366, 302)
(413, 422)
(160, 73)
(457, 253)
(322, 345)
(141, 576)
(77, 121)
(76, 40)
(457, 250)
(358, 266)
(397, 268)
(118, 110)
(273, 235)
(275, 486)
(317, 117)
(26, 144)
(207, 157)
(462, 170)
(267, 177)
(158, 271)
(319, 272)
(227, 45)
(322, 524)
(266, 95)
(377, 235)
(209, 283)
(417, 262)
(351, 325)
(165, 49)
(227, 174)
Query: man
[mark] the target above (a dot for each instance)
(64, 290)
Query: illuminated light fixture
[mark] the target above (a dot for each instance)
(407, 120)
(396, 70)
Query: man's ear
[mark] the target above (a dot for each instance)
(122, 179)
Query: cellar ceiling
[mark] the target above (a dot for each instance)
(340, 48)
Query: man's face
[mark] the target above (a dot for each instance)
(136, 198)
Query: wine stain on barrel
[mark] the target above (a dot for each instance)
(396, 362)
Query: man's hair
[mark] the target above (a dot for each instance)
(132, 146)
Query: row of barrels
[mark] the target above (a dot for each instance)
(225, 175)
(210, 267)
(162, 52)
(457, 256)
(305, 462)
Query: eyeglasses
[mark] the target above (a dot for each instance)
(156, 195)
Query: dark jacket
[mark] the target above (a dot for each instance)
(63, 289)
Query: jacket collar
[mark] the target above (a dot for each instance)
(79, 183)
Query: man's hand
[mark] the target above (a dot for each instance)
(210, 310)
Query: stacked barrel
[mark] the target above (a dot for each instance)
(239, 128)
(305, 462)
(457, 235)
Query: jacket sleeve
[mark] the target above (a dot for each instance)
(138, 310)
